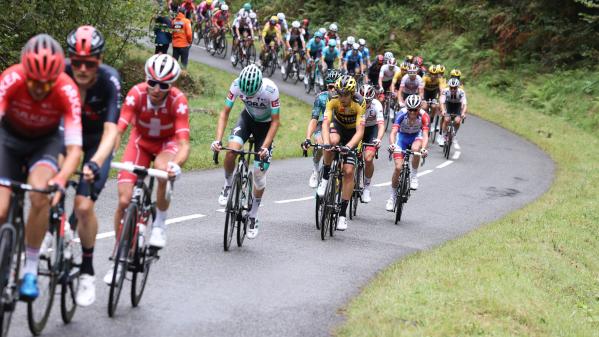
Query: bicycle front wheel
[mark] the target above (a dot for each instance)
(121, 259)
(401, 197)
(7, 259)
(246, 205)
(38, 311)
(231, 212)
(142, 261)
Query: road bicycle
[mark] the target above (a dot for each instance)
(239, 201)
(449, 136)
(292, 66)
(402, 191)
(331, 200)
(359, 177)
(12, 248)
(132, 252)
(219, 44)
(201, 29)
(435, 122)
(388, 105)
(315, 80)
(245, 52)
(319, 204)
(271, 61)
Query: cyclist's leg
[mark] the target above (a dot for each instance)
(369, 136)
(349, 162)
(334, 139)
(10, 167)
(239, 135)
(259, 130)
(416, 146)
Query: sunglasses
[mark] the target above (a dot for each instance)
(87, 63)
(45, 86)
(412, 110)
(331, 86)
(162, 86)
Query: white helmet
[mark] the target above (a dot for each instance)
(295, 24)
(224, 8)
(351, 40)
(162, 68)
(281, 16)
(344, 43)
(362, 42)
(244, 15)
(356, 46)
(333, 27)
(388, 55)
(252, 15)
(322, 31)
(413, 102)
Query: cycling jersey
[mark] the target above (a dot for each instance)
(373, 73)
(31, 119)
(295, 36)
(102, 104)
(347, 117)
(330, 56)
(365, 54)
(320, 105)
(353, 57)
(315, 48)
(220, 18)
(330, 35)
(155, 123)
(399, 76)
(459, 96)
(284, 26)
(203, 9)
(433, 83)
(388, 71)
(411, 86)
(403, 124)
(374, 114)
(243, 23)
(262, 105)
(189, 8)
(271, 31)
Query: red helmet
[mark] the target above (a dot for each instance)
(85, 41)
(306, 22)
(43, 58)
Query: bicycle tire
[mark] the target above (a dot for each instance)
(7, 240)
(224, 46)
(274, 64)
(448, 142)
(140, 260)
(69, 287)
(334, 216)
(121, 259)
(325, 217)
(246, 191)
(231, 212)
(358, 194)
(35, 321)
(386, 114)
(400, 197)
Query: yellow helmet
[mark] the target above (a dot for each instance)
(456, 73)
(440, 69)
(433, 69)
(404, 66)
(274, 18)
(345, 84)
(208, 2)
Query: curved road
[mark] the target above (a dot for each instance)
(288, 282)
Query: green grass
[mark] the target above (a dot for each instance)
(533, 273)
(205, 109)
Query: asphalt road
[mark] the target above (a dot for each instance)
(288, 282)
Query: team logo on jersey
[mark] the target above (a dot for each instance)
(130, 101)
(75, 101)
(182, 109)
(275, 103)
(230, 96)
(8, 81)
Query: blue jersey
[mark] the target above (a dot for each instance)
(320, 104)
(315, 47)
(365, 54)
(330, 56)
(353, 57)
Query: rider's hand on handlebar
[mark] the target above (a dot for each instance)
(91, 171)
(174, 170)
(264, 153)
(216, 146)
(306, 144)
(344, 149)
(61, 185)
(377, 142)
(424, 152)
(392, 147)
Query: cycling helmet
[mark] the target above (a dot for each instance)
(247, 6)
(322, 31)
(355, 46)
(273, 19)
(351, 40)
(433, 69)
(412, 69)
(209, 2)
(224, 8)
(440, 69)
(410, 58)
(392, 61)
(250, 80)
(332, 43)
(252, 15)
(43, 58)
(388, 55)
(418, 60)
(453, 83)
(332, 76)
(345, 84)
(380, 59)
(85, 41)
(281, 16)
(455, 73)
(333, 27)
(162, 68)
(404, 66)
(362, 42)
(413, 102)
(295, 24)
(367, 92)
(317, 35)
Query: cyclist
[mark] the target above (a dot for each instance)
(255, 23)
(457, 74)
(294, 41)
(35, 95)
(315, 124)
(433, 84)
(410, 131)
(314, 51)
(306, 29)
(375, 69)
(373, 134)
(247, 9)
(419, 63)
(204, 12)
(190, 10)
(365, 52)
(220, 21)
(353, 62)
(259, 118)
(387, 56)
(159, 114)
(343, 124)
(411, 84)
(387, 73)
(347, 45)
(271, 32)
(395, 83)
(331, 54)
(283, 24)
(100, 87)
(241, 24)
(332, 34)
(453, 106)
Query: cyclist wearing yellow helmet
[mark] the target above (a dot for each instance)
(433, 84)
(343, 125)
(270, 33)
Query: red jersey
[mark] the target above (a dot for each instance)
(220, 18)
(155, 122)
(34, 119)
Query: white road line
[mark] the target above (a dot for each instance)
(382, 184)
(445, 164)
(456, 155)
(456, 145)
(420, 174)
(222, 210)
(168, 222)
(294, 200)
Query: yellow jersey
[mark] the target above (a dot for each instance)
(271, 31)
(348, 117)
(433, 83)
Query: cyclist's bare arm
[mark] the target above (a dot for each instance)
(272, 131)
(312, 124)
(183, 153)
(222, 123)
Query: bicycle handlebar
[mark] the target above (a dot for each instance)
(15, 185)
(242, 152)
(133, 168)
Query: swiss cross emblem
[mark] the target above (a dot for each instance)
(130, 101)
(182, 109)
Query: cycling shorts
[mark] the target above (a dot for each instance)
(142, 151)
(454, 108)
(345, 136)
(19, 156)
(431, 94)
(370, 134)
(315, 54)
(83, 188)
(404, 141)
(269, 38)
(386, 85)
(247, 126)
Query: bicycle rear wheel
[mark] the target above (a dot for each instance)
(247, 201)
(121, 259)
(7, 259)
(231, 212)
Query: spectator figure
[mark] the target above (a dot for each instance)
(182, 37)
(162, 30)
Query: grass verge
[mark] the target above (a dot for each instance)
(534, 272)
